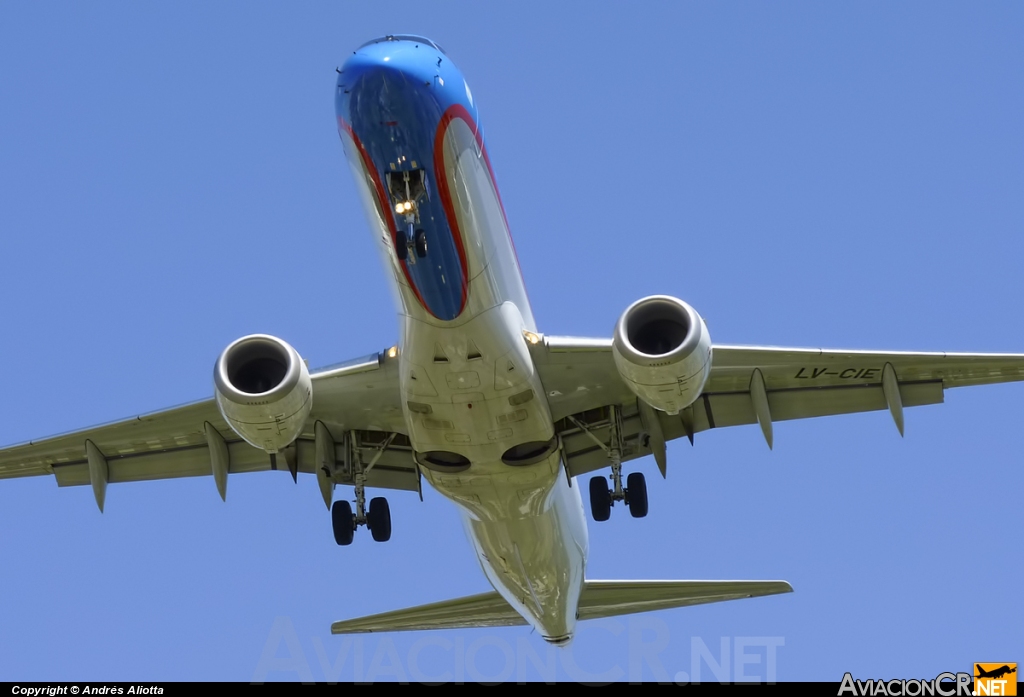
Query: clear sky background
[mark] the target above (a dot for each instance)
(835, 175)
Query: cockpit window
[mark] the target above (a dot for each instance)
(406, 37)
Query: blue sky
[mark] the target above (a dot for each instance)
(802, 174)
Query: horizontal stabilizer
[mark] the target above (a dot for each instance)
(484, 610)
(599, 599)
(611, 598)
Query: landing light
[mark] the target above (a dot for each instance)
(531, 337)
(392, 352)
(399, 208)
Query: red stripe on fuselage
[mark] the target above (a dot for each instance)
(457, 111)
(453, 112)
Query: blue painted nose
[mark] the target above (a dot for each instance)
(389, 80)
(392, 96)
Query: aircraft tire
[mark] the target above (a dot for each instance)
(378, 519)
(401, 245)
(343, 522)
(600, 499)
(421, 244)
(636, 494)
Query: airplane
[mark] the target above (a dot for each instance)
(995, 672)
(498, 417)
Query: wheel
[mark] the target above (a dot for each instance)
(401, 245)
(421, 244)
(600, 499)
(378, 519)
(344, 522)
(636, 494)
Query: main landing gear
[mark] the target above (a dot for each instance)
(603, 497)
(376, 517)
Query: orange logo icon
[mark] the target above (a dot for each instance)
(995, 679)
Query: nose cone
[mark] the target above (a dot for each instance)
(416, 61)
(390, 79)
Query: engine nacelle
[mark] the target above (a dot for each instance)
(263, 391)
(662, 350)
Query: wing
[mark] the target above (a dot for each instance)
(357, 405)
(748, 385)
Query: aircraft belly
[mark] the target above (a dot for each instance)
(530, 539)
(472, 390)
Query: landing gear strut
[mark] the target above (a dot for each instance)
(634, 494)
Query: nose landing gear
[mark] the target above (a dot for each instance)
(407, 189)
(407, 241)
(401, 245)
(421, 244)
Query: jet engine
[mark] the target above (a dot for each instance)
(662, 351)
(263, 390)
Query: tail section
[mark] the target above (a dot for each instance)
(599, 599)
